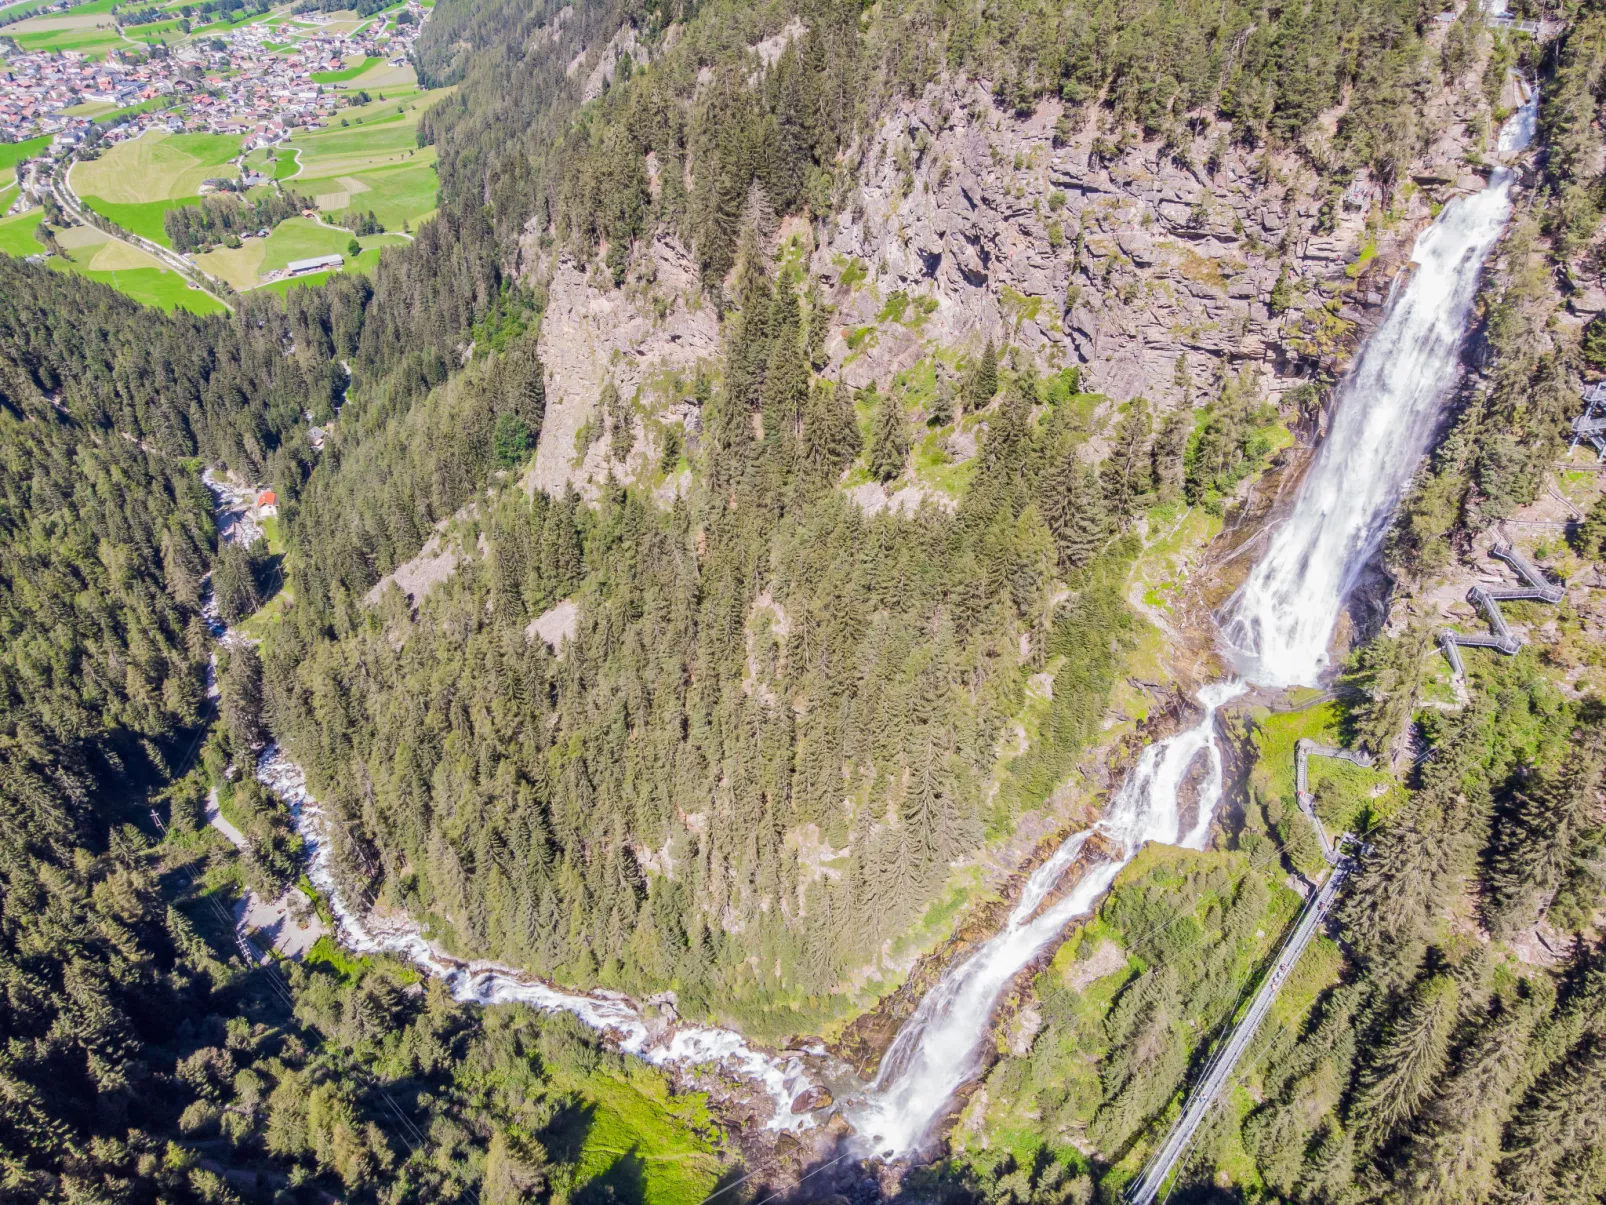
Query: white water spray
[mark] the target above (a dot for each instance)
(1279, 625)
(657, 1040)
(1278, 628)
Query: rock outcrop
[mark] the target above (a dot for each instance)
(648, 338)
(1158, 268)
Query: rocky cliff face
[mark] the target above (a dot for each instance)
(1158, 269)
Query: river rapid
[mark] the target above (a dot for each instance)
(1275, 632)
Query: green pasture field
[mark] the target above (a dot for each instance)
(395, 196)
(136, 182)
(373, 162)
(157, 166)
(143, 218)
(16, 234)
(13, 153)
(92, 42)
(281, 287)
(95, 255)
(336, 77)
(292, 239)
(301, 238)
(156, 287)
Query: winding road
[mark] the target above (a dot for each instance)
(73, 207)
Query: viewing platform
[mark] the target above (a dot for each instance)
(1536, 588)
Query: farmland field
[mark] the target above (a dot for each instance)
(89, 28)
(345, 73)
(295, 238)
(16, 233)
(144, 218)
(281, 287)
(13, 153)
(96, 255)
(372, 163)
(136, 182)
(90, 41)
(156, 167)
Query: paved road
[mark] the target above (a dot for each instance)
(69, 202)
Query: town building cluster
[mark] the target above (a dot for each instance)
(254, 80)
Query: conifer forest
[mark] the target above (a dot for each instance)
(579, 711)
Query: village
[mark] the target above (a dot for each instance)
(259, 80)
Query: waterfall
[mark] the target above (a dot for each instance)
(939, 1048)
(1276, 628)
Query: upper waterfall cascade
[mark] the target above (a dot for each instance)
(1278, 626)
(1277, 629)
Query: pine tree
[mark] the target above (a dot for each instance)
(889, 434)
(234, 583)
(1556, 1145)
(240, 697)
(786, 377)
(1543, 833)
(1589, 537)
(1408, 1063)
(1071, 505)
(1451, 1158)
(1170, 448)
(941, 411)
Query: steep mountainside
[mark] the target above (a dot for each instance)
(775, 500)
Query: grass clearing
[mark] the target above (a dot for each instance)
(143, 219)
(157, 166)
(295, 238)
(374, 162)
(92, 43)
(16, 234)
(13, 153)
(347, 72)
(383, 75)
(638, 1141)
(156, 287)
(97, 256)
(282, 287)
(239, 266)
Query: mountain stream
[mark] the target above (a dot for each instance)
(1275, 631)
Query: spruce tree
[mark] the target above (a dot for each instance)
(889, 435)
(786, 377)
(1589, 537)
(240, 697)
(984, 380)
(234, 583)
(1407, 1064)
(1125, 476)
(1170, 448)
(1547, 827)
